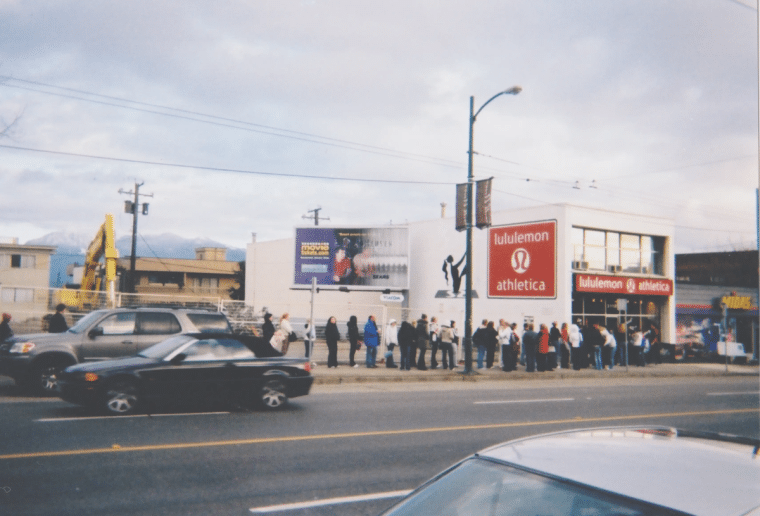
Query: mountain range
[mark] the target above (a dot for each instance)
(71, 249)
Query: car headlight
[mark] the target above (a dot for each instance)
(22, 347)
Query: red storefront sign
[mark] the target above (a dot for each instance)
(522, 260)
(623, 285)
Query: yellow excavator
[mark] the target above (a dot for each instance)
(89, 294)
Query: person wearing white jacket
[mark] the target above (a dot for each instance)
(576, 338)
(391, 342)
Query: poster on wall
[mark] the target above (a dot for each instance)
(522, 260)
(352, 258)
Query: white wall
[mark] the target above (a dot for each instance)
(269, 271)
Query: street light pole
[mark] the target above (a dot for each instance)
(468, 283)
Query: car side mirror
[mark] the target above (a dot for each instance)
(178, 359)
(95, 332)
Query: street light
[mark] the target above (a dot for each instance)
(468, 284)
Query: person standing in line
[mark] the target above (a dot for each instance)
(309, 338)
(504, 335)
(332, 336)
(353, 340)
(455, 342)
(637, 349)
(655, 346)
(422, 340)
(514, 348)
(491, 340)
(479, 342)
(371, 341)
(267, 329)
(565, 348)
(287, 330)
(522, 351)
(597, 342)
(608, 351)
(621, 337)
(530, 343)
(542, 359)
(58, 321)
(554, 347)
(435, 338)
(413, 346)
(575, 337)
(5, 328)
(405, 344)
(446, 347)
(391, 341)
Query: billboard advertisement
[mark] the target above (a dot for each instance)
(522, 260)
(353, 258)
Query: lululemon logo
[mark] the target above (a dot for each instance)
(520, 260)
(630, 286)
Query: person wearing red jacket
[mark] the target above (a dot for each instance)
(542, 360)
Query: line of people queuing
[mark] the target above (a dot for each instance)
(571, 345)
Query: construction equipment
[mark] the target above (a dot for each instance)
(88, 295)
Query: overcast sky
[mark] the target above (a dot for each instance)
(240, 117)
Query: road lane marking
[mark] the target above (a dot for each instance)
(89, 418)
(733, 393)
(329, 501)
(116, 448)
(500, 402)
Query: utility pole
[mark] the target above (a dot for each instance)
(316, 216)
(132, 207)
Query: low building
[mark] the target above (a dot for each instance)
(209, 275)
(24, 277)
(537, 265)
(706, 283)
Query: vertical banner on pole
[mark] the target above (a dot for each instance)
(483, 203)
(461, 208)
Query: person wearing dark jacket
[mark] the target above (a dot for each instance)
(58, 321)
(371, 341)
(491, 338)
(530, 343)
(267, 329)
(5, 328)
(405, 343)
(422, 340)
(353, 340)
(332, 336)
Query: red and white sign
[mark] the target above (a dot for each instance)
(623, 285)
(522, 260)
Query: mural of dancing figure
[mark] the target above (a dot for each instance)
(456, 277)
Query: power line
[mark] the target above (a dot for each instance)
(229, 123)
(219, 169)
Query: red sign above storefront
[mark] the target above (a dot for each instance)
(623, 285)
(522, 260)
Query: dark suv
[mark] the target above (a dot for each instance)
(33, 361)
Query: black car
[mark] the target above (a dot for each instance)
(189, 369)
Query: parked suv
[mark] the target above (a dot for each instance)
(33, 361)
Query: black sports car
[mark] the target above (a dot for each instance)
(198, 368)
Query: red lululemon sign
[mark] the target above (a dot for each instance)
(522, 260)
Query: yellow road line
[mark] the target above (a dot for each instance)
(265, 440)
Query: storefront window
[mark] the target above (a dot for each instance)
(595, 246)
(613, 249)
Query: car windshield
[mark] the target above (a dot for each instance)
(85, 322)
(165, 347)
(479, 486)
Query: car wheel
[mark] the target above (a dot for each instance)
(272, 394)
(122, 398)
(43, 379)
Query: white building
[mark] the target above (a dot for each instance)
(551, 263)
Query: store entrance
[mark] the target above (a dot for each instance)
(594, 308)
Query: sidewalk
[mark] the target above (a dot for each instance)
(346, 374)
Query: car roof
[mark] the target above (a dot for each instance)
(697, 473)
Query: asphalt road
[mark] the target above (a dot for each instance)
(340, 442)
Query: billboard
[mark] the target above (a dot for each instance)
(522, 260)
(353, 258)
